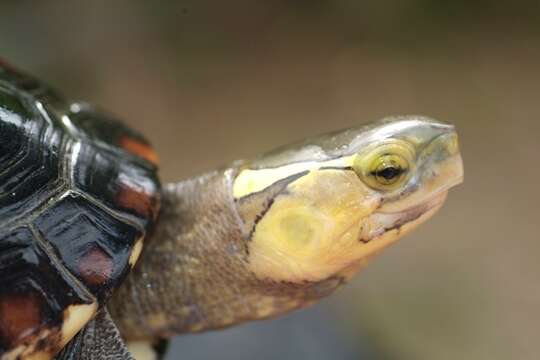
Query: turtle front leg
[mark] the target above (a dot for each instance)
(99, 340)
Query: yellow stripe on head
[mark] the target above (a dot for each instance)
(250, 181)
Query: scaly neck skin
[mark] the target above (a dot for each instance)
(193, 274)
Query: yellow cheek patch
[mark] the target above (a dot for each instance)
(251, 181)
(299, 227)
(310, 230)
(296, 229)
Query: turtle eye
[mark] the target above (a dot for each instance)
(389, 169)
(387, 166)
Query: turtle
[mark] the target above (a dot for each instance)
(99, 260)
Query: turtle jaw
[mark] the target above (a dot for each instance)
(383, 229)
(382, 222)
(440, 168)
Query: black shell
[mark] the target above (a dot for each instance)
(78, 190)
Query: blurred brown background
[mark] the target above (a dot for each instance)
(209, 82)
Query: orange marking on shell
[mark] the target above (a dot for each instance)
(140, 149)
(96, 266)
(138, 200)
(20, 317)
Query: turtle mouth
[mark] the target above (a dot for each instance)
(432, 202)
(400, 218)
(383, 222)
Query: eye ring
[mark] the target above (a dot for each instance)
(387, 166)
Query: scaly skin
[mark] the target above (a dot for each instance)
(205, 282)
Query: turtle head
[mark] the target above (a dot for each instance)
(320, 209)
(277, 233)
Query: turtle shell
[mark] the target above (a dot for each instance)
(78, 193)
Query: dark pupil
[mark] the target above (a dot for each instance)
(390, 172)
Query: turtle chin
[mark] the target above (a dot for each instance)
(384, 228)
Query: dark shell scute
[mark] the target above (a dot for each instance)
(28, 304)
(89, 231)
(75, 197)
(28, 170)
(105, 130)
(118, 183)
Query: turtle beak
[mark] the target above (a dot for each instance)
(441, 167)
(442, 163)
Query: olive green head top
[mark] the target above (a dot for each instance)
(321, 208)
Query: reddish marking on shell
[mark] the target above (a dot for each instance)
(139, 148)
(138, 200)
(20, 317)
(96, 266)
